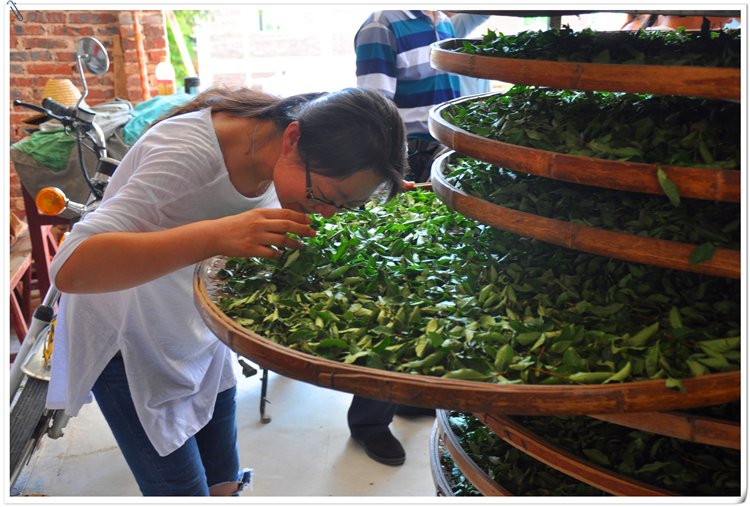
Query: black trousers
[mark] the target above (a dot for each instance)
(368, 417)
(421, 156)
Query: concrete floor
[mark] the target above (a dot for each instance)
(305, 451)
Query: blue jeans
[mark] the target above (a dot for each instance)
(208, 458)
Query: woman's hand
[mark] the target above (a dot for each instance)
(135, 258)
(250, 234)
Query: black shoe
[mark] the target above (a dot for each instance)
(414, 411)
(384, 448)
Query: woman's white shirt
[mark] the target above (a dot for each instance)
(173, 175)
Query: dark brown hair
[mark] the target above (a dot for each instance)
(341, 133)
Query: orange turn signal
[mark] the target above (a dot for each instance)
(51, 201)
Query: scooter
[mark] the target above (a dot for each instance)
(29, 419)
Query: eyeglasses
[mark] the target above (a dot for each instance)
(309, 193)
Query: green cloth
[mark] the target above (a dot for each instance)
(51, 148)
(148, 111)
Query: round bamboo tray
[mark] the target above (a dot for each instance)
(467, 466)
(716, 185)
(566, 462)
(667, 254)
(706, 82)
(693, 428)
(442, 486)
(462, 395)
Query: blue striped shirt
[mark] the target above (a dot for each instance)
(393, 56)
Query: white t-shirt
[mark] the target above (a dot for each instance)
(173, 175)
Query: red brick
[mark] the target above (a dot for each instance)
(125, 17)
(65, 56)
(26, 29)
(18, 56)
(127, 32)
(155, 43)
(44, 16)
(128, 44)
(100, 94)
(153, 32)
(49, 68)
(40, 56)
(89, 18)
(134, 81)
(20, 81)
(62, 30)
(45, 43)
(107, 31)
(151, 19)
(155, 56)
(19, 114)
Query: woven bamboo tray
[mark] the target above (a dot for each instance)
(668, 254)
(716, 185)
(583, 470)
(706, 82)
(462, 395)
(478, 478)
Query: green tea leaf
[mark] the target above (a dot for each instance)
(702, 253)
(669, 187)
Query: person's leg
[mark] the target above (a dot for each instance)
(368, 422)
(367, 417)
(181, 473)
(217, 442)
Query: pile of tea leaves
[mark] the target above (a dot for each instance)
(626, 127)
(412, 287)
(514, 470)
(678, 47)
(679, 466)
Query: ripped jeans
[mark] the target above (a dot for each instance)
(208, 458)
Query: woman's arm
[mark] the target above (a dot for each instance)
(113, 261)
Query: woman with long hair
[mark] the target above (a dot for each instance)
(234, 173)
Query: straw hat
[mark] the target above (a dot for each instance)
(59, 90)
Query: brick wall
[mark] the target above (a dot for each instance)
(43, 46)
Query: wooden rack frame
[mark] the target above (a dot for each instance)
(583, 470)
(707, 82)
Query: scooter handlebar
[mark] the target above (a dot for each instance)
(42, 110)
(58, 108)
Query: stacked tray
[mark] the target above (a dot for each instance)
(691, 182)
(462, 395)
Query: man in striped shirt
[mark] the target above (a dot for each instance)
(393, 56)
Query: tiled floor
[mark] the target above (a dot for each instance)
(305, 451)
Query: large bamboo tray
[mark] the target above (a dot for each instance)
(706, 82)
(462, 395)
(478, 478)
(716, 185)
(668, 254)
(583, 470)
